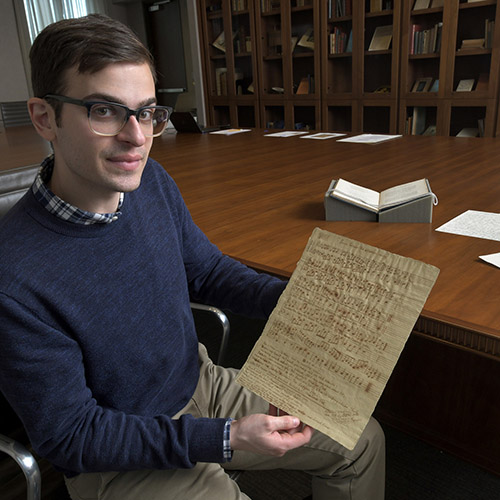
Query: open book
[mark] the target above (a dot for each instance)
(377, 202)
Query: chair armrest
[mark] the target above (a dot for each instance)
(28, 465)
(224, 321)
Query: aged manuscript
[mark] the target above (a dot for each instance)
(336, 333)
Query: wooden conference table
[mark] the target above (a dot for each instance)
(259, 198)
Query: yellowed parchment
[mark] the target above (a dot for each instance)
(336, 333)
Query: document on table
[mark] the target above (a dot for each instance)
(492, 258)
(473, 223)
(336, 333)
(231, 131)
(369, 138)
(287, 133)
(323, 135)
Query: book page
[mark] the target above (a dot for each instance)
(403, 193)
(336, 333)
(359, 195)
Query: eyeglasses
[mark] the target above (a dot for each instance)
(108, 118)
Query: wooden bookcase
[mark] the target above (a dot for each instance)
(289, 63)
(447, 110)
(342, 81)
(230, 69)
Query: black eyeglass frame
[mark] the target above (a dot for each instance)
(129, 112)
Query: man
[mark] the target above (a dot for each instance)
(98, 352)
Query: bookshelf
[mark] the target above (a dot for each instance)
(452, 45)
(349, 76)
(230, 67)
(289, 63)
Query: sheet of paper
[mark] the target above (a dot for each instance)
(231, 131)
(289, 133)
(474, 223)
(369, 138)
(336, 333)
(492, 258)
(323, 135)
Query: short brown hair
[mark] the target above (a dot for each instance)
(87, 43)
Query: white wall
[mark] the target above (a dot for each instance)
(13, 85)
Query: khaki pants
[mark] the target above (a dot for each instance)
(337, 473)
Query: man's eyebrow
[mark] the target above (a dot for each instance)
(110, 98)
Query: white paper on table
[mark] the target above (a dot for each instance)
(231, 131)
(474, 223)
(289, 133)
(323, 135)
(492, 258)
(369, 138)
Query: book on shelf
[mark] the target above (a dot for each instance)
(418, 120)
(381, 39)
(489, 27)
(221, 81)
(409, 202)
(303, 87)
(465, 85)
(307, 39)
(430, 130)
(435, 86)
(220, 41)
(480, 126)
(472, 43)
(375, 5)
(469, 132)
(421, 4)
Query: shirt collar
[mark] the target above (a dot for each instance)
(62, 209)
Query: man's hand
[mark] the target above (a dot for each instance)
(268, 435)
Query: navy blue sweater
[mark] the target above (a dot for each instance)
(97, 342)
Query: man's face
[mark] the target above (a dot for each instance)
(91, 170)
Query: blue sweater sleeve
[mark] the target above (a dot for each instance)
(44, 381)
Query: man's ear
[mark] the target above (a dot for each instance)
(43, 118)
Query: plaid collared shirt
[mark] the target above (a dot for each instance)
(228, 453)
(62, 209)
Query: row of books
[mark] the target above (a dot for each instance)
(239, 5)
(339, 8)
(426, 40)
(269, 5)
(340, 41)
(221, 80)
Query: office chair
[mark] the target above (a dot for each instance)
(15, 113)
(13, 184)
